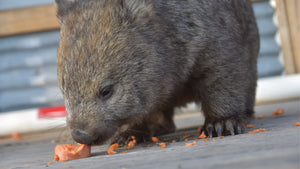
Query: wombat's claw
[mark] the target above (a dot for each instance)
(227, 127)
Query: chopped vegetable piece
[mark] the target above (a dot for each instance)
(154, 139)
(278, 112)
(70, 152)
(249, 126)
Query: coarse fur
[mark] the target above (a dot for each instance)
(123, 65)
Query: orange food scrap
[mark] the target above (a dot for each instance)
(154, 139)
(162, 145)
(69, 166)
(206, 140)
(199, 129)
(186, 139)
(221, 137)
(110, 151)
(261, 117)
(173, 141)
(124, 151)
(165, 139)
(71, 152)
(49, 163)
(205, 144)
(187, 136)
(214, 139)
(297, 124)
(131, 143)
(16, 136)
(249, 126)
(162, 151)
(257, 130)
(202, 136)
(114, 146)
(183, 133)
(278, 112)
(188, 144)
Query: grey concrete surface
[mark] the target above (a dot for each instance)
(278, 147)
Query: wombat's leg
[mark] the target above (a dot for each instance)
(155, 124)
(227, 103)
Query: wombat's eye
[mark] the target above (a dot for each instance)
(105, 92)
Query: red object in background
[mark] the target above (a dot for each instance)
(51, 112)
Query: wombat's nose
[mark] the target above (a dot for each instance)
(81, 137)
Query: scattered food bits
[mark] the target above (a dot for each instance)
(16, 136)
(257, 130)
(183, 133)
(114, 146)
(124, 151)
(297, 124)
(154, 139)
(205, 144)
(162, 151)
(187, 136)
(261, 117)
(214, 139)
(173, 141)
(67, 152)
(221, 137)
(165, 139)
(162, 145)
(110, 151)
(131, 143)
(249, 126)
(278, 112)
(205, 140)
(202, 136)
(186, 139)
(49, 163)
(69, 166)
(188, 144)
(199, 129)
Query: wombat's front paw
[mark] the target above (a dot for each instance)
(123, 136)
(229, 126)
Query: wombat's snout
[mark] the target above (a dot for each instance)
(81, 136)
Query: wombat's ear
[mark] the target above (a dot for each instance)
(62, 7)
(138, 9)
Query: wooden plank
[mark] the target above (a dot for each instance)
(27, 20)
(32, 19)
(293, 15)
(286, 41)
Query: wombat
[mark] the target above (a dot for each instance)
(124, 65)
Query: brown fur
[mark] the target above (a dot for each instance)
(123, 65)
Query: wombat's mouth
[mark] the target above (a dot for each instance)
(95, 136)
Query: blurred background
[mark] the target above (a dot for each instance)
(29, 37)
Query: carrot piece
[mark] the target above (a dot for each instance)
(187, 136)
(297, 124)
(263, 116)
(114, 146)
(202, 136)
(69, 166)
(249, 126)
(257, 130)
(162, 151)
(154, 139)
(49, 163)
(278, 112)
(110, 151)
(188, 144)
(131, 144)
(70, 152)
(173, 141)
(162, 145)
(199, 129)
(16, 136)
(124, 151)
